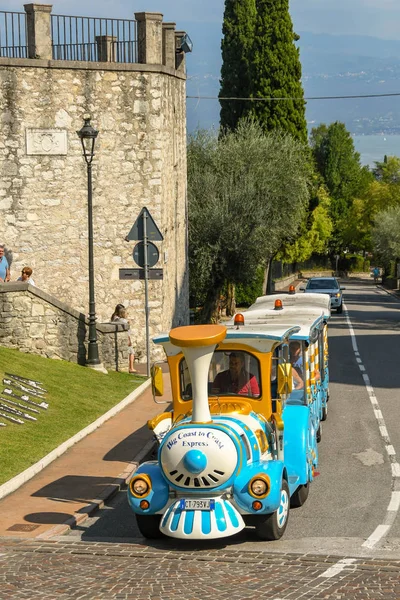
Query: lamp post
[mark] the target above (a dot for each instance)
(88, 137)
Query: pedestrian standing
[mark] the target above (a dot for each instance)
(119, 315)
(4, 266)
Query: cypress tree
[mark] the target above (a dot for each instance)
(237, 47)
(275, 70)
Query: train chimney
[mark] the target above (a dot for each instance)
(198, 343)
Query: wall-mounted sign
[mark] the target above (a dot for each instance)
(140, 273)
(46, 141)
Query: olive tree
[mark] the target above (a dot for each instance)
(386, 234)
(247, 193)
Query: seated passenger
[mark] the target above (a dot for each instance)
(296, 357)
(236, 380)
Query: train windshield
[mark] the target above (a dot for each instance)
(233, 373)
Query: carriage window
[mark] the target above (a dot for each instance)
(231, 374)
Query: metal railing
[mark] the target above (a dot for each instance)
(13, 35)
(94, 39)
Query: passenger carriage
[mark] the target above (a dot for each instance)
(311, 312)
(234, 450)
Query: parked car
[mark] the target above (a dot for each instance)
(326, 285)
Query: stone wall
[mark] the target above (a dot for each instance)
(35, 322)
(140, 161)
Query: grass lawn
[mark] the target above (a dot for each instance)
(76, 395)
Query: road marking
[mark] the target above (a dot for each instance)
(395, 502)
(376, 536)
(394, 505)
(395, 470)
(338, 568)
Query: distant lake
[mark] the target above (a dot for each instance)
(374, 147)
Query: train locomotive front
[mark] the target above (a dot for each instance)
(220, 466)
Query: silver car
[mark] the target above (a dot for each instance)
(326, 285)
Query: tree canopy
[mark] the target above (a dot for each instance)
(315, 232)
(276, 71)
(339, 167)
(248, 192)
(238, 35)
(261, 60)
(386, 234)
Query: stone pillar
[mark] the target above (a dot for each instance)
(169, 46)
(38, 21)
(106, 46)
(180, 60)
(150, 37)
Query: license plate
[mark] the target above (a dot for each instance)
(197, 504)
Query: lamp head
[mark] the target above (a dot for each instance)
(88, 137)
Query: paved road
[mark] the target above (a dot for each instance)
(343, 544)
(348, 502)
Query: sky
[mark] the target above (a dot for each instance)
(378, 18)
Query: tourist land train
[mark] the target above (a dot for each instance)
(243, 457)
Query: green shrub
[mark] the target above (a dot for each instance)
(354, 263)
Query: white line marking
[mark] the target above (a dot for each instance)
(394, 505)
(395, 470)
(395, 502)
(390, 450)
(376, 536)
(338, 568)
(384, 431)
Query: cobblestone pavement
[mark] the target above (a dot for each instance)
(58, 570)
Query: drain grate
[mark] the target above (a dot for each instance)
(22, 527)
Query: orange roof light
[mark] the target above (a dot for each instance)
(238, 320)
(292, 289)
(278, 305)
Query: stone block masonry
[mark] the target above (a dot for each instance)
(140, 161)
(35, 322)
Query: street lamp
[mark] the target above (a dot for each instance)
(88, 137)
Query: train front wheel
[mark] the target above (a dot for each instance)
(272, 527)
(149, 526)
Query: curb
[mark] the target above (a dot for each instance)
(16, 482)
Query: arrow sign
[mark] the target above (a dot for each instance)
(137, 231)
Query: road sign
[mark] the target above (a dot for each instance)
(137, 231)
(152, 254)
(140, 273)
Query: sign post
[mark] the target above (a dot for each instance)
(145, 255)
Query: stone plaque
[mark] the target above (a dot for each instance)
(46, 141)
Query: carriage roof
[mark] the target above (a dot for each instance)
(300, 301)
(262, 337)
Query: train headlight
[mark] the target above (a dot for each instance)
(259, 486)
(140, 486)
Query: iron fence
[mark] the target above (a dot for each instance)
(13, 35)
(94, 39)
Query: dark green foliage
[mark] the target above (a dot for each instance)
(275, 70)
(238, 31)
(247, 294)
(354, 263)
